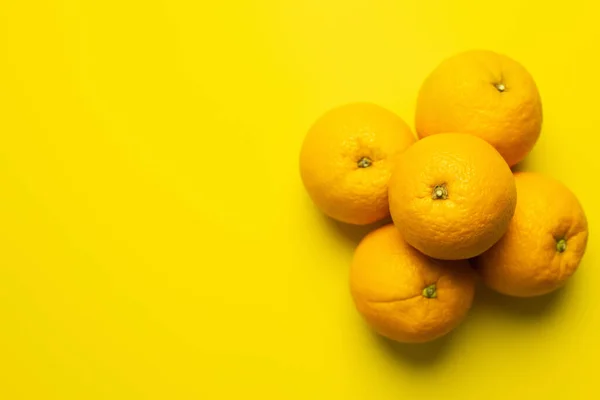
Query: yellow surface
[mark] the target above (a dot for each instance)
(155, 239)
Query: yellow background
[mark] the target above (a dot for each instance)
(155, 238)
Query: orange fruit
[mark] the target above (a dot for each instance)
(346, 161)
(405, 295)
(485, 94)
(452, 196)
(544, 242)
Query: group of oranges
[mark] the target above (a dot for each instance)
(458, 210)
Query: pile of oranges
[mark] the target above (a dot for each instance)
(458, 210)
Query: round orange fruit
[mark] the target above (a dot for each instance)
(452, 196)
(405, 295)
(544, 243)
(347, 158)
(485, 94)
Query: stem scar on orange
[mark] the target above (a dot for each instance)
(347, 158)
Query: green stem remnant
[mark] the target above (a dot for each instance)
(364, 162)
(430, 291)
(439, 192)
(561, 245)
(500, 86)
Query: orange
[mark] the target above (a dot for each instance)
(485, 94)
(405, 295)
(544, 243)
(452, 196)
(347, 158)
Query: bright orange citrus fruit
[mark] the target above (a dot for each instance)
(405, 295)
(485, 94)
(544, 243)
(452, 196)
(347, 158)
